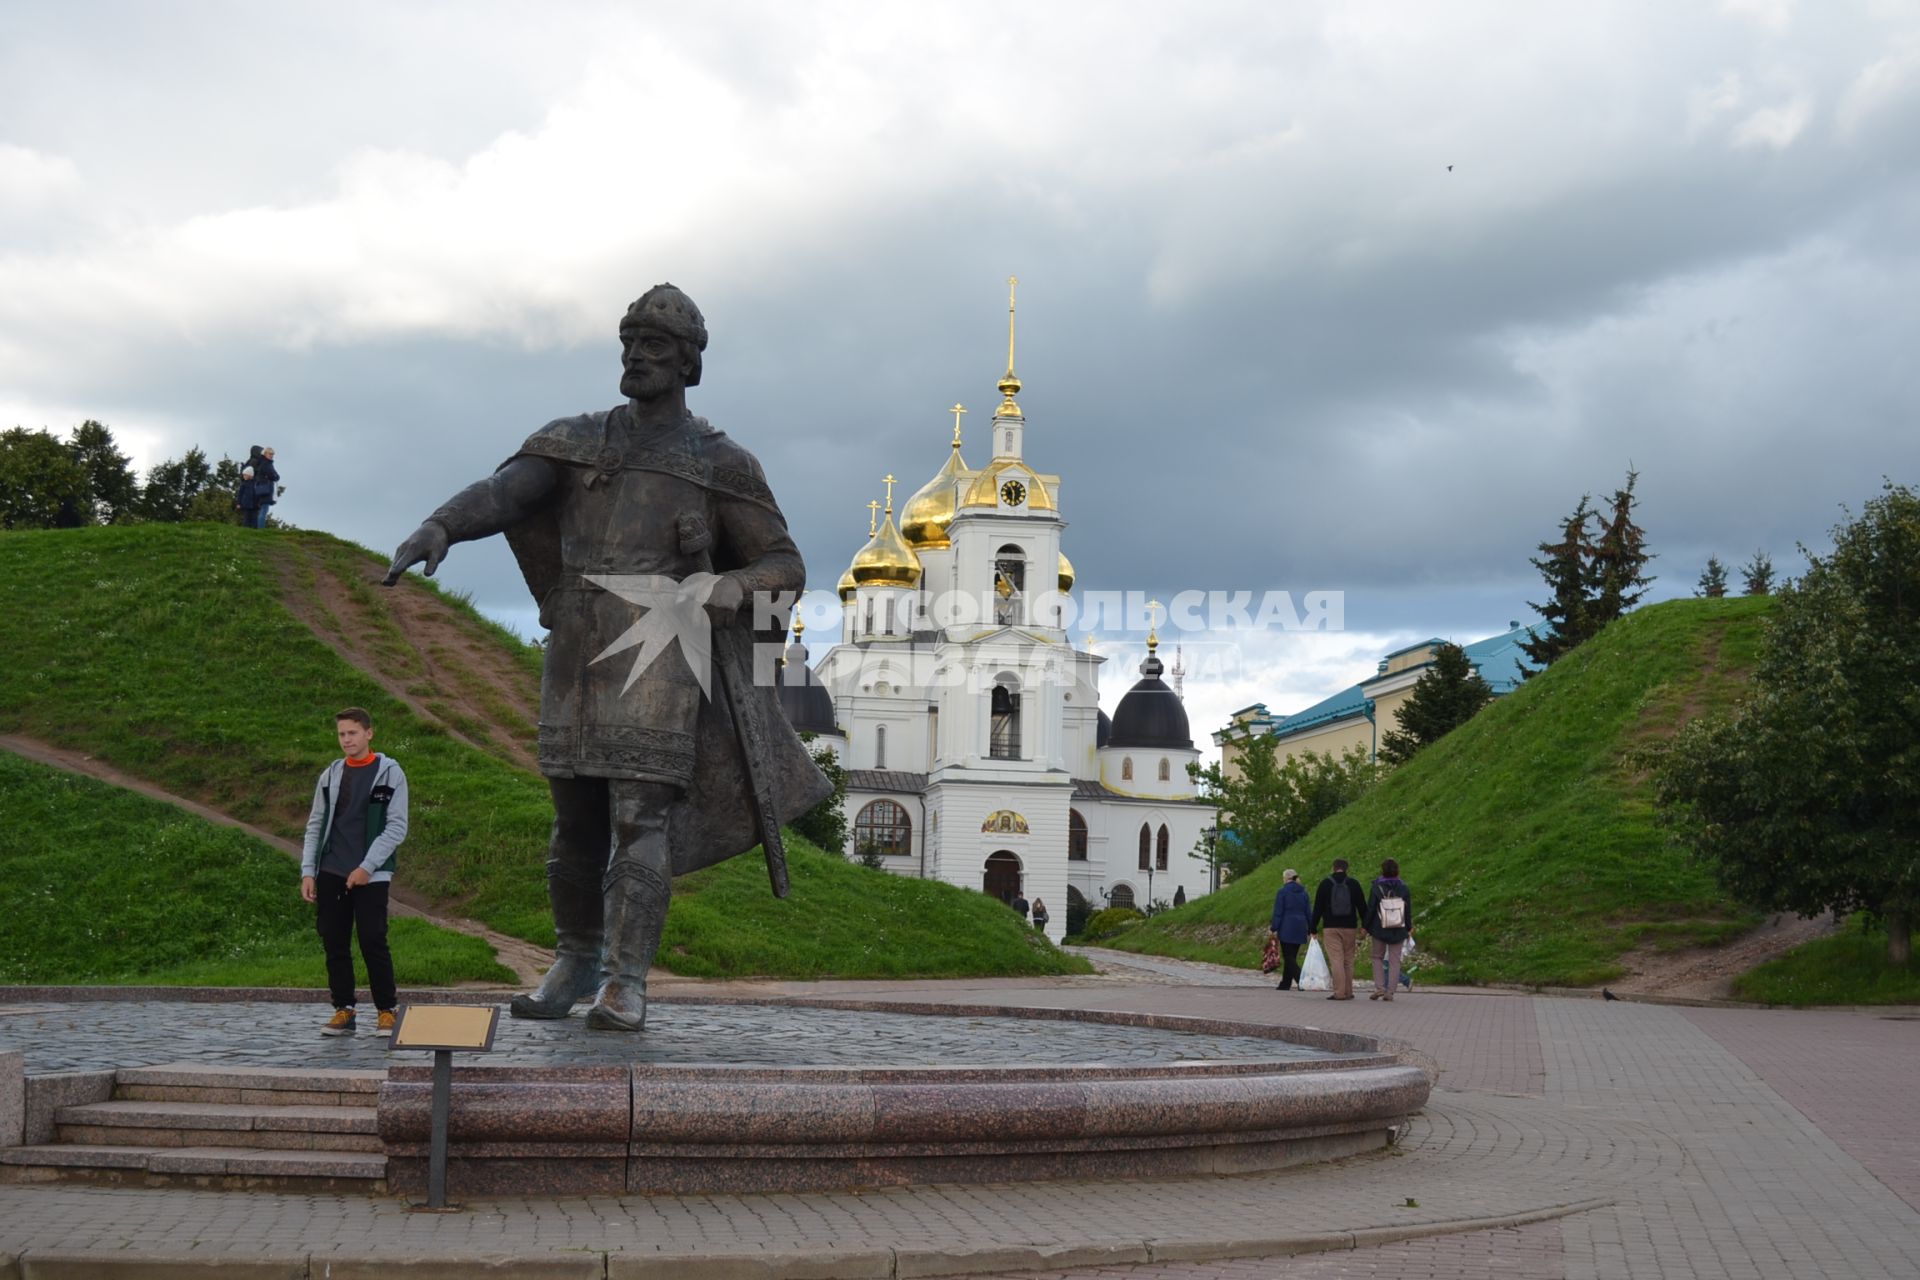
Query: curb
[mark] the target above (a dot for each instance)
(824, 1264)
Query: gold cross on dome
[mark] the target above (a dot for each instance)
(873, 518)
(890, 483)
(957, 410)
(1153, 616)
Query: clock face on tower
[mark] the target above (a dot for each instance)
(1013, 493)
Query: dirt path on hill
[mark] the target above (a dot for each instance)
(1707, 973)
(426, 655)
(527, 961)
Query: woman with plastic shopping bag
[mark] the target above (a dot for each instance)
(1288, 928)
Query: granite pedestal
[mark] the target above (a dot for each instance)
(1194, 1097)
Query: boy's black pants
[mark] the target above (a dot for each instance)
(340, 913)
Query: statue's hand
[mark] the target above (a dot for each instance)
(427, 543)
(726, 599)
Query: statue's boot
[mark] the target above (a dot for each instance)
(638, 889)
(575, 891)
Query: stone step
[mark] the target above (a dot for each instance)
(125, 1122)
(291, 1086)
(209, 1165)
(78, 1155)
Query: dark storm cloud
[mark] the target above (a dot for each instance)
(1268, 339)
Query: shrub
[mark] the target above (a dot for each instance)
(1110, 920)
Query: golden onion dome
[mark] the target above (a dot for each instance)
(985, 489)
(1066, 573)
(847, 585)
(927, 515)
(886, 560)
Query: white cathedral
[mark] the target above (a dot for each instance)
(970, 725)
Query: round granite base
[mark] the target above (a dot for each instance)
(1192, 1097)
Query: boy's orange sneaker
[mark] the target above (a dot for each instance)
(386, 1022)
(340, 1024)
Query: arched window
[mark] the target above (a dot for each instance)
(884, 827)
(1126, 769)
(1146, 845)
(1160, 849)
(1121, 895)
(1009, 585)
(1166, 770)
(1076, 836)
(880, 747)
(1004, 743)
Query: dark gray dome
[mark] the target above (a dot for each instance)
(806, 702)
(1151, 715)
(1103, 731)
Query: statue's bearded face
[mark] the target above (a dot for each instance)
(652, 363)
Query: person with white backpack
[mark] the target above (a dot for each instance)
(1389, 925)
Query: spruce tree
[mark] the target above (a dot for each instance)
(1713, 580)
(111, 485)
(173, 485)
(1619, 558)
(1567, 566)
(1448, 695)
(1758, 573)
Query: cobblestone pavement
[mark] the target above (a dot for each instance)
(88, 1036)
(1691, 1143)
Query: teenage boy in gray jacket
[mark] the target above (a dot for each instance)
(358, 820)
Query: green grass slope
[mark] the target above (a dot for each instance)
(1527, 836)
(105, 886)
(209, 660)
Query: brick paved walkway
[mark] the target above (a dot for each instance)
(1712, 1144)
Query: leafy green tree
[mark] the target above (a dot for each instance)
(1807, 797)
(1713, 580)
(1446, 696)
(1758, 574)
(41, 486)
(111, 485)
(1567, 566)
(826, 823)
(1620, 558)
(1266, 804)
(172, 486)
(216, 502)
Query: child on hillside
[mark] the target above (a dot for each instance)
(358, 820)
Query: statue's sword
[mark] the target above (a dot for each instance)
(733, 658)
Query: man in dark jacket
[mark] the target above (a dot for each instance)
(1338, 908)
(1291, 914)
(1389, 924)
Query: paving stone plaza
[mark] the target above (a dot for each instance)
(1567, 1138)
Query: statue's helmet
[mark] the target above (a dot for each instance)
(666, 308)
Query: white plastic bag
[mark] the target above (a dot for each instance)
(1314, 974)
(1407, 949)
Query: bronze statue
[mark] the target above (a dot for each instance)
(657, 766)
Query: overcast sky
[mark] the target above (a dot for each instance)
(1355, 297)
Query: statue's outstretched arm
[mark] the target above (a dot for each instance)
(480, 510)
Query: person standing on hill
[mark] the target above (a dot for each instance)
(266, 486)
(1389, 924)
(245, 501)
(1040, 914)
(358, 820)
(1292, 912)
(1338, 909)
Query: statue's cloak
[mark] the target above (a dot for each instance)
(715, 819)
